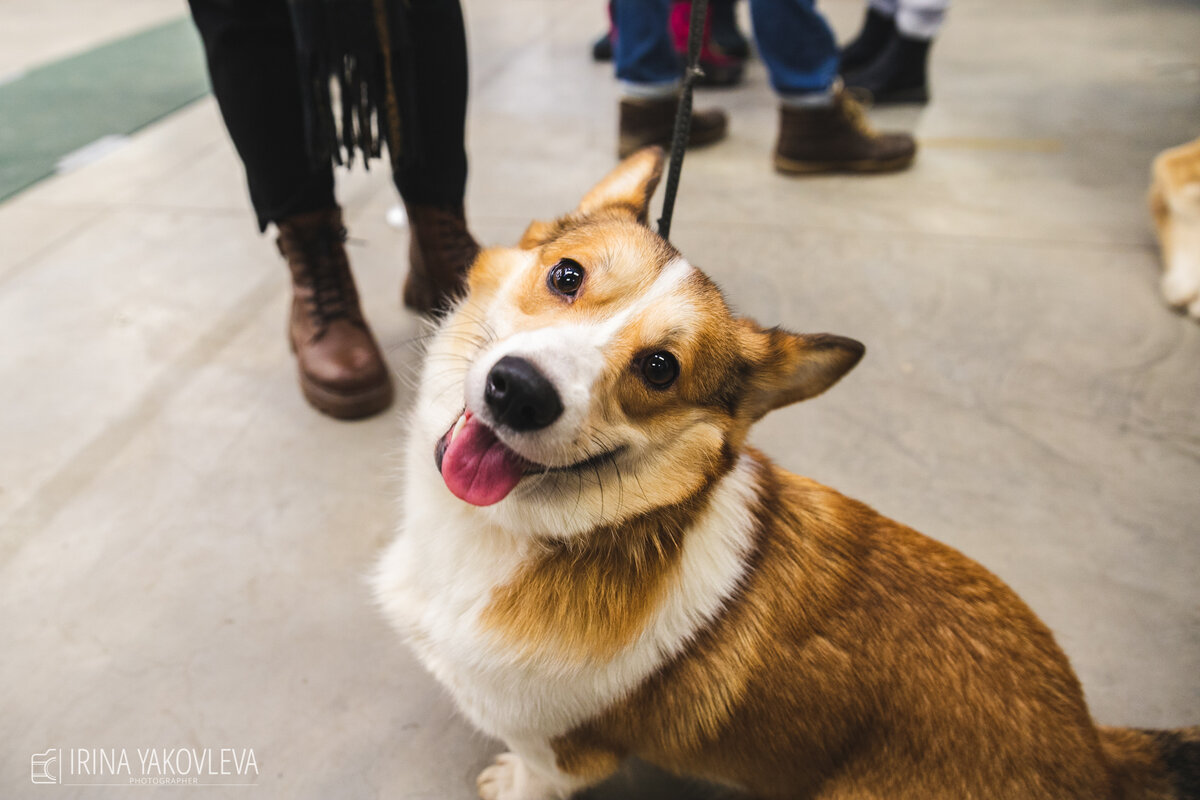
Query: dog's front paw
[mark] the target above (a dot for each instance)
(509, 779)
(1181, 285)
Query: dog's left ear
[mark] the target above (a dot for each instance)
(629, 187)
(626, 190)
(789, 367)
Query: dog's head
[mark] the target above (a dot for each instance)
(591, 373)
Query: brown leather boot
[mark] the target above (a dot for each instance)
(342, 372)
(440, 252)
(838, 138)
(647, 121)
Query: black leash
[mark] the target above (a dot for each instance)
(683, 115)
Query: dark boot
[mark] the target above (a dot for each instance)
(440, 252)
(602, 48)
(725, 32)
(899, 74)
(342, 372)
(837, 138)
(646, 121)
(877, 30)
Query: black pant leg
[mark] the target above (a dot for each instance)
(438, 176)
(252, 65)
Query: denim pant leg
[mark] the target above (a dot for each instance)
(796, 44)
(643, 51)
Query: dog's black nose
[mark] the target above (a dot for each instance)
(520, 396)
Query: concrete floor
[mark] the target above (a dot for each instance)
(183, 541)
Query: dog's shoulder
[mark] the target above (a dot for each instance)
(551, 632)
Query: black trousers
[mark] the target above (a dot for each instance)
(252, 64)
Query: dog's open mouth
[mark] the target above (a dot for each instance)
(476, 466)
(481, 470)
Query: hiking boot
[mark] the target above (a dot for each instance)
(877, 30)
(837, 138)
(342, 372)
(898, 75)
(440, 252)
(651, 120)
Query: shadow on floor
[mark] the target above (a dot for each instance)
(640, 781)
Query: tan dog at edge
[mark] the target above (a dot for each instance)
(1175, 204)
(596, 566)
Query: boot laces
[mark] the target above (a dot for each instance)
(854, 104)
(328, 274)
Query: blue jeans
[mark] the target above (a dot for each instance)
(794, 41)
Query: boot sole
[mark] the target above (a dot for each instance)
(862, 166)
(358, 405)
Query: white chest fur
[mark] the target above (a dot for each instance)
(438, 576)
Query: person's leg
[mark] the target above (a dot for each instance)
(644, 51)
(648, 62)
(821, 128)
(920, 19)
(252, 65)
(433, 184)
(648, 68)
(725, 32)
(717, 67)
(898, 73)
(439, 58)
(797, 45)
(879, 26)
(602, 48)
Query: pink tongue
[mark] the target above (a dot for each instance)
(478, 468)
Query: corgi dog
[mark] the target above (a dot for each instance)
(597, 566)
(1175, 205)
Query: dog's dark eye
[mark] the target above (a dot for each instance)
(660, 369)
(566, 277)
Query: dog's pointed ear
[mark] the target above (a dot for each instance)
(537, 234)
(629, 187)
(625, 190)
(788, 367)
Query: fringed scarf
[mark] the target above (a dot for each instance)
(362, 48)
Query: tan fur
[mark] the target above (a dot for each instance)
(1173, 173)
(589, 599)
(594, 241)
(864, 660)
(1139, 761)
(1175, 206)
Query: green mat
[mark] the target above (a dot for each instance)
(114, 89)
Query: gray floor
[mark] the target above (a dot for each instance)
(183, 542)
